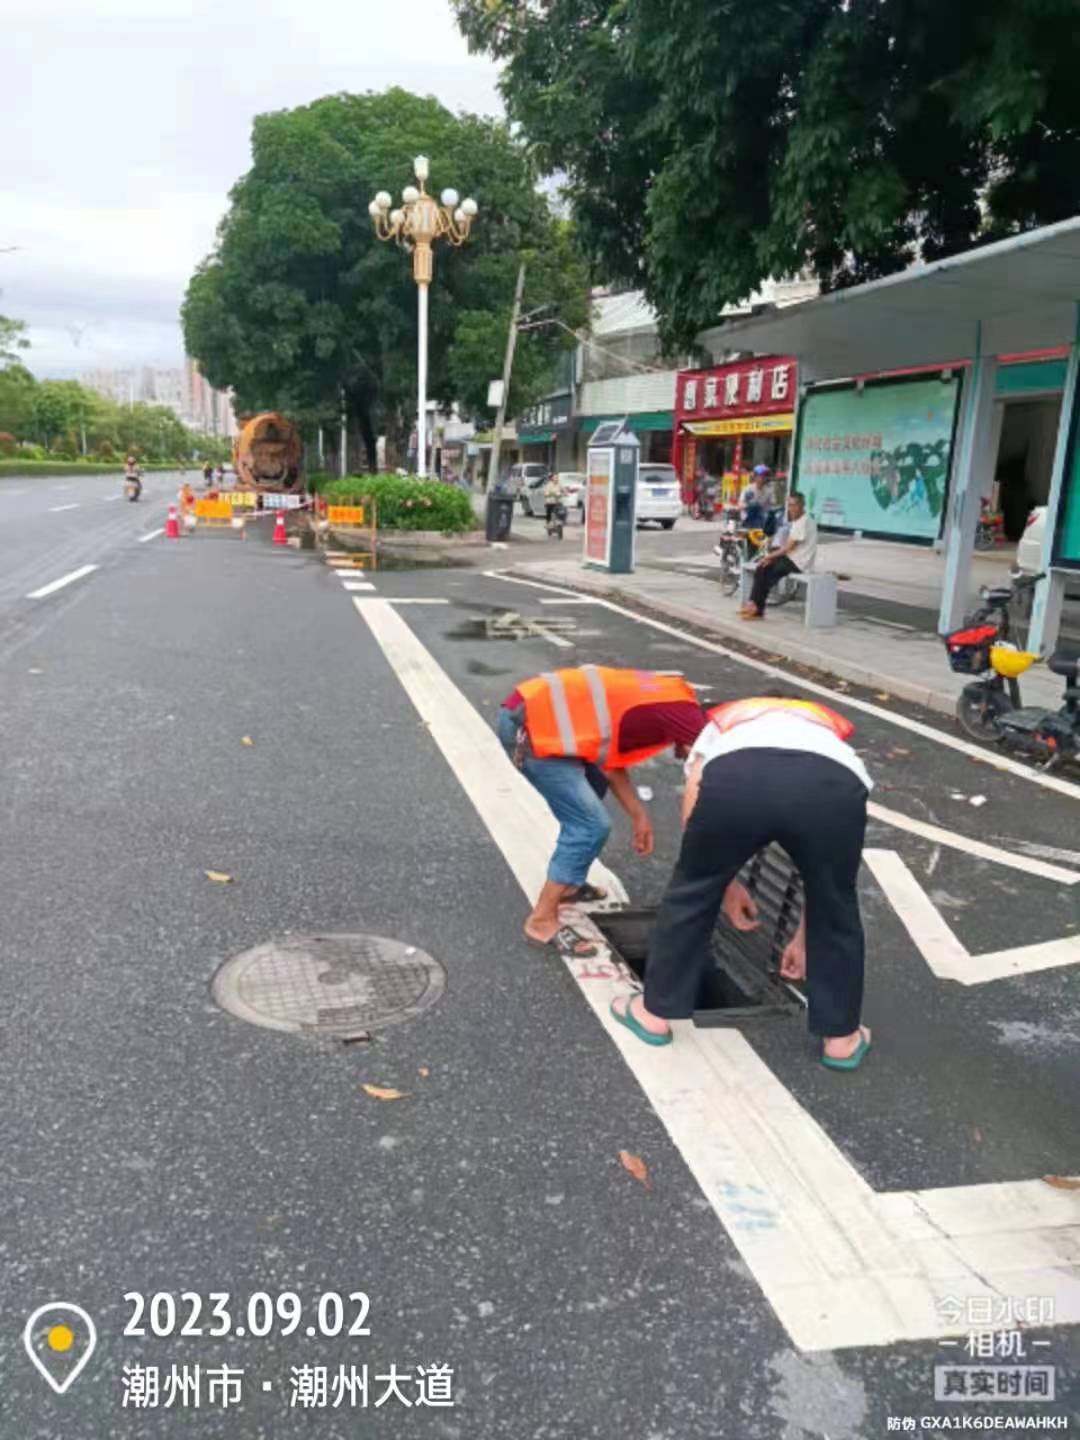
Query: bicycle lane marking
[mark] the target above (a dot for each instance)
(841, 1264)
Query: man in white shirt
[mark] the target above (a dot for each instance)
(766, 769)
(796, 555)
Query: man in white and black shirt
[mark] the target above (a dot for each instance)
(795, 556)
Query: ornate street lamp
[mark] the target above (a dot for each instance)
(416, 225)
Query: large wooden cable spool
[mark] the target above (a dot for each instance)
(268, 452)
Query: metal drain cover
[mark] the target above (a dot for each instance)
(338, 985)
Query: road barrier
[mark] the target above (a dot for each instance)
(357, 519)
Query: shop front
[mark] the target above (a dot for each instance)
(733, 419)
(541, 428)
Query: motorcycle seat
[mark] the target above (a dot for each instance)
(999, 595)
(1065, 665)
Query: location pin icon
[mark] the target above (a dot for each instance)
(60, 1338)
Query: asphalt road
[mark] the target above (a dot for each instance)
(154, 1143)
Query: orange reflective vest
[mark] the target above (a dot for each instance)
(578, 713)
(738, 712)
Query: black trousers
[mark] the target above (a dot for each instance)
(766, 576)
(816, 809)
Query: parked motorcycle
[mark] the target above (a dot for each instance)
(990, 708)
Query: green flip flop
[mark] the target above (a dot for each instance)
(854, 1060)
(634, 1025)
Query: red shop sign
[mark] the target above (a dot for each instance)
(765, 386)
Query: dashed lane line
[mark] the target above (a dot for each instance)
(55, 585)
(841, 1264)
(58, 509)
(150, 534)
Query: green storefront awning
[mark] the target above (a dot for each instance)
(1030, 376)
(648, 420)
(537, 437)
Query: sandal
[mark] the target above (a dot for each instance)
(627, 1018)
(565, 942)
(585, 895)
(855, 1059)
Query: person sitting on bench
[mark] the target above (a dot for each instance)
(795, 557)
(766, 769)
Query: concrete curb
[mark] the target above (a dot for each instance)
(940, 701)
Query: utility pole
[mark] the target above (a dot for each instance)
(508, 365)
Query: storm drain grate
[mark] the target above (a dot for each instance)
(338, 985)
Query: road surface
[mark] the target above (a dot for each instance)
(721, 1241)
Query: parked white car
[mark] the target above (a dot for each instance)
(1029, 549)
(522, 476)
(658, 495)
(573, 486)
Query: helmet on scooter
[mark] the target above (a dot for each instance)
(1010, 662)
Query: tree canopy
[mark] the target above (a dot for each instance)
(709, 144)
(300, 298)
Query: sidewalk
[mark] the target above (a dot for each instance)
(865, 649)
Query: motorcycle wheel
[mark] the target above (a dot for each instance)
(729, 571)
(977, 711)
(783, 591)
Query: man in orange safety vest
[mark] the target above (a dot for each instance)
(766, 769)
(574, 734)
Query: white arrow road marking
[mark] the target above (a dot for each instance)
(840, 1264)
(947, 956)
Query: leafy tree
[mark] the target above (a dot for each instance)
(300, 299)
(12, 339)
(17, 387)
(709, 144)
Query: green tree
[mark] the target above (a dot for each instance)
(708, 144)
(17, 387)
(12, 339)
(300, 299)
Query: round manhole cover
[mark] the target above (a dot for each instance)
(339, 985)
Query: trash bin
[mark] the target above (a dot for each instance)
(500, 513)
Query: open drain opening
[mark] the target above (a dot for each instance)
(741, 979)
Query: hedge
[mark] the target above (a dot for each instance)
(402, 502)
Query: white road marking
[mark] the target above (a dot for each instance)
(536, 585)
(569, 600)
(946, 955)
(57, 509)
(150, 535)
(969, 846)
(839, 698)
(111, 497)
(358, 585)
(418, 600)
(1045, 852)
(841, 1264)
(55, 585)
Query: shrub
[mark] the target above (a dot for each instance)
(403, 502)
(27, 451)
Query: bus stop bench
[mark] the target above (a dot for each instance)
(819, 594)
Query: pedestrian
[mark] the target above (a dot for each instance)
(574, 734)
(767, 769)
(552, 496)
(795, 556)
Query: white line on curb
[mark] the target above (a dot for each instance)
(55, 585)
(841, 1264)
(150, 535)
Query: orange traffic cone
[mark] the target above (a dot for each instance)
(280, 537)
(172, 527)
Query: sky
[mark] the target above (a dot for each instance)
(124, 123)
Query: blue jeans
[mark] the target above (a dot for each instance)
(574, 792)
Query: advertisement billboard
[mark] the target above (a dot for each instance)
(877, 458)
(598, 507)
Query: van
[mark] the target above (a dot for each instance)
(522, 475)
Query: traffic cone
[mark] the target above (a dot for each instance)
(280, 538)
(172, 526)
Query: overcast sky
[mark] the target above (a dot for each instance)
(123, 123)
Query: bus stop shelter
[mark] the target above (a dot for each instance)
(967, 314)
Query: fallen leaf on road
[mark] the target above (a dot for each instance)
(219, 877)
(637, 1168)
(1061, 1182)
(883, 695)
(899, 750)
(977, 800)
(424, 1071)
(978, 1136)
(247, 740)
(383, 1092)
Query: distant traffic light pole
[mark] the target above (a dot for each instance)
(418, 223)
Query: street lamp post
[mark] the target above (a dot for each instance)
(417, 224)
